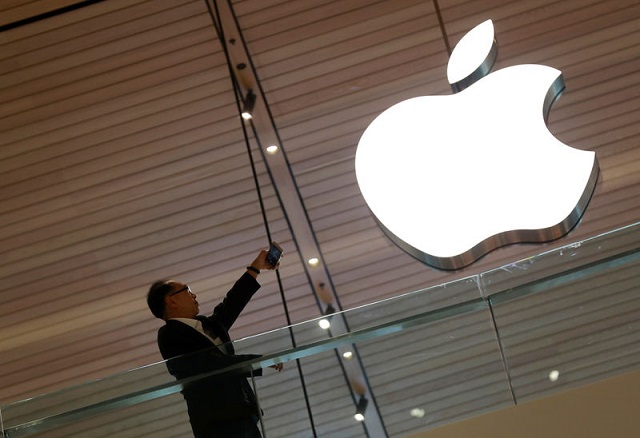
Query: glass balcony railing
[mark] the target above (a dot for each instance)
(555, 321)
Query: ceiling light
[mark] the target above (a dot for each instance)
(325, 323)
(272, 149)
(313, 261)
(417, 412)
(249, 103)
(554, 375)
(361, 408)
(347, 355)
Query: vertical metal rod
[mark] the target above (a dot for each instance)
(443, 30)
(503, 356)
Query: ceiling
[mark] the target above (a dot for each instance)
(124, 161)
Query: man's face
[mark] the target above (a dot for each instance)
(181, 301)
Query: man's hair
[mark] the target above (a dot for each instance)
(155, 297)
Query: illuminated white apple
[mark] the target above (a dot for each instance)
(450, 178)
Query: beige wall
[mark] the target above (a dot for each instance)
(607, 409)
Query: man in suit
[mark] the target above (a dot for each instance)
(219, 406)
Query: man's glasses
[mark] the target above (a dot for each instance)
(180, 290)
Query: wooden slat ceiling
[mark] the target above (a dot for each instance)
(123, 161)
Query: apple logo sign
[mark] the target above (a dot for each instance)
(451, 178)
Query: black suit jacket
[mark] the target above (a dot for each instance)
(217, 398)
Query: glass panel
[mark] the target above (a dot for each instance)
(154, 382)
(330, 402)
(165, 416)
(573, 327)
(73, 403)
(431, 356)
(281, 397)
(566, 259)
(444, 296)
(436, 373)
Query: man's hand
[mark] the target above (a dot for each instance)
(261, 263)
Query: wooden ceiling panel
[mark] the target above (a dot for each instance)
(123, 161)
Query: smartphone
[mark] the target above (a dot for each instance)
(273, 256)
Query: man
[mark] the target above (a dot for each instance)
(219, 406)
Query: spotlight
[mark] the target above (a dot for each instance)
(272, 149)
(361, 408)
(325, 323)
(313, 261)
(249, 103)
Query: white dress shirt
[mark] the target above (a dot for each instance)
(197, 325)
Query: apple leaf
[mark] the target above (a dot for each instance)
(473, 56)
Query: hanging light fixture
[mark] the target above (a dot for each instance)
(325, 323)
(361, 408)
(249, 103)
